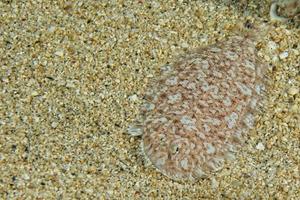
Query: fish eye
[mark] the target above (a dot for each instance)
(174, 149)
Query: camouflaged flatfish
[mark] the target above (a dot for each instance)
(199, 109)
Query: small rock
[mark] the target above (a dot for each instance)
(26, 177)
(184, 45)
(214, 184)
(260, 146)
(54, 124)
(36, 119)
(155, 5)
(272, 45)
(70, 84)
(134, 131)
(275, 59)
(283, 55)
(293, 91)
(52, 29)
(34, 93)
(133, 97)
(59, 53)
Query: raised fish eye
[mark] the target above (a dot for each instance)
(174, 148)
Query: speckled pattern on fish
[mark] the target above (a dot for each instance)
(200, 107)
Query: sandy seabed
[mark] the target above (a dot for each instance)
(71, 81)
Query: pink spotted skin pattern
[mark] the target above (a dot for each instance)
(201, 107)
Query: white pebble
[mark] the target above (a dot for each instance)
(54, 124)
(155, 4)
(70, 84)
(272, 45)
(26, 177)
(51, 29)
(134, 131)
(34, 93)
(133, 97)
(59, 53)
(214, 183)
(260, 146)
(283, 55)
(184, 45)
(275, 59)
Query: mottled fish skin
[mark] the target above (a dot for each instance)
(201, 107)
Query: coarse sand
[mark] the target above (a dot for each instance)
(72, 76)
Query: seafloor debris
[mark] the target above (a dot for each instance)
(199, 109)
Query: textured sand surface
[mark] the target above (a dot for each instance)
(72, 77)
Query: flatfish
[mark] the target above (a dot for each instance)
(198, 110)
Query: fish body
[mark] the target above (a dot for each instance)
(199, 109)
